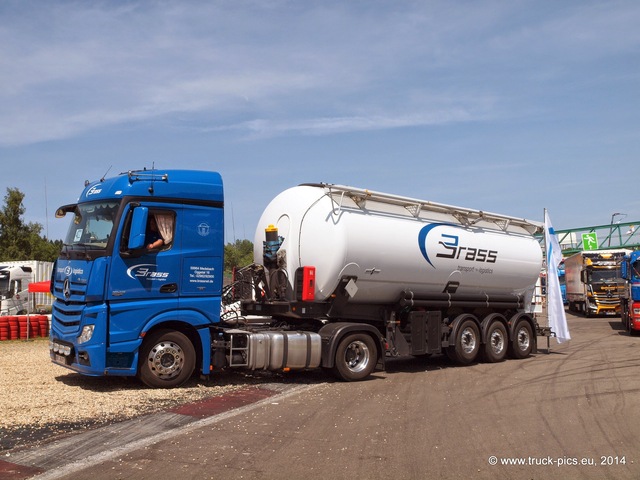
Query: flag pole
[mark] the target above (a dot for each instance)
(546, 290)
(556, 316)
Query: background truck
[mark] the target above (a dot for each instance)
(563, 283)
(630, 297)
(343, 278)
(593, 282)
(15, 278)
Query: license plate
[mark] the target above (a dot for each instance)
(61, 359)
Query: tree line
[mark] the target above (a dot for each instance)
(24, 241)
(20, 240)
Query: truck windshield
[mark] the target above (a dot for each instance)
(636, 269)
(92, 224)
(602, 276)
(4, 283)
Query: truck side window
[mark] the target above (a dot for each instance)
(16, 287)
(160, 228)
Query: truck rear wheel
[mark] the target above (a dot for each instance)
(522, 341)
(167, 359)
(495, 348)
(356, 357)
(624, 316)
(467, 343)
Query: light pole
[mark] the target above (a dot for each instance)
(611, 225)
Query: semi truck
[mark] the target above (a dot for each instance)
(15, 277)
(593, 281)
(630, 297)
(343, 278)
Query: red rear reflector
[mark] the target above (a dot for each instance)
(308, 284)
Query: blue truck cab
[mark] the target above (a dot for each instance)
(630, 299)
(127, 304)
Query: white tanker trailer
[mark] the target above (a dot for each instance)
(394, 276)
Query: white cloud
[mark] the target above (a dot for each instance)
(272, 68)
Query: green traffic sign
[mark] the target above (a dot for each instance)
(589, 241)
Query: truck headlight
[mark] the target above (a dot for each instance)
(87, 333)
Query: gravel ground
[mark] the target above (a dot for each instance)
(39, 398)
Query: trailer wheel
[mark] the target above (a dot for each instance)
(356, 357)
(495, 349)
(522, 341)
(167, 359)
(467, 344)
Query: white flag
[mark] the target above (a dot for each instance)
(555, 307)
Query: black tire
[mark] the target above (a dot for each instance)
(625, 317)
(497, 343)
(521, 344)
(356, 357)
(467, 343)
(167, 359)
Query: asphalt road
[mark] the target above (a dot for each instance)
(570, 413)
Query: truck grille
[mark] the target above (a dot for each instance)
(67, 312)
(64, 316)
(605, 300)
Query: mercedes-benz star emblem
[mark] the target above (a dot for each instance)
(66, 289)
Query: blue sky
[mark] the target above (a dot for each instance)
(503, 106)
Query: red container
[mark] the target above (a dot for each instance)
(4, 328)
(44, 326)
(23, 327)
(34, 326)
(14, 329)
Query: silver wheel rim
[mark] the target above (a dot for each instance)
(166, 360)
(497, 342)
(523, 339)
(357, 356)
(468, 340)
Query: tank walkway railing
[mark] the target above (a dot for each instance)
(414, 207)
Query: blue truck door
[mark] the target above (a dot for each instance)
(145, 284)
(202, 267)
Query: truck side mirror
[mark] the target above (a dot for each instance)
(138, 230)
(624, 272)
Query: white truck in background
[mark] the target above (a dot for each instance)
(15, 277)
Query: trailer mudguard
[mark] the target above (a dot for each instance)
(332, 333)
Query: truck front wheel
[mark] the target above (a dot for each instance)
(167, 359)
(356, 357)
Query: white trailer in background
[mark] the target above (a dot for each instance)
(15, 277)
